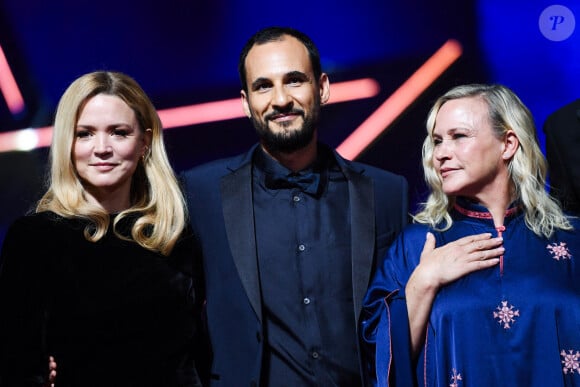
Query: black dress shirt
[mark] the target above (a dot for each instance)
(304, 254)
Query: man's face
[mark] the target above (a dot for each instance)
(283, 98)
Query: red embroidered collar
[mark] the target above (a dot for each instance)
(483, 214)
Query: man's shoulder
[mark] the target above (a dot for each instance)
(567, 113)
(209, 167)
(568, 108)
(217, 168)
(377, 173)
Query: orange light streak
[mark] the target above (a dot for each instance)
(191, 114)
(352, 90)
(401, 99)
(9, 87)
(232, 108)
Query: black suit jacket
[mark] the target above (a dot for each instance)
(219, 197)
(562, 129)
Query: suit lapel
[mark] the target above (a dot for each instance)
(238, 212)
(363, 231)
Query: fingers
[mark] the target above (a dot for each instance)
(470, 247)
(484, 255)
(484, 264)
(491, 253)
(474, 239)
(488, 249)
(478, 243)
(52, 370)
(487, 255)
(455, 259)
(429, 243)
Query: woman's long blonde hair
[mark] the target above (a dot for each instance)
(527, 168)
(157, 201)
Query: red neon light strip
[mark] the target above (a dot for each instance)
(195, 114)
(232, 108)
(405, 95)
(9, 87)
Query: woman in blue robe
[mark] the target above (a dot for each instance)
(483, 288)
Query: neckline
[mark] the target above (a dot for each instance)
(477, 211)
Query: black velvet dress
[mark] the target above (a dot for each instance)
(111, 313)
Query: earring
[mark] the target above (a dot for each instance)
(146, 154)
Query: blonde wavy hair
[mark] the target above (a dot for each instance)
(157, 202)
(527, 168)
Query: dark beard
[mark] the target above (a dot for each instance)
(286, 142)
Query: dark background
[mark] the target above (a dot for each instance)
(186, 52)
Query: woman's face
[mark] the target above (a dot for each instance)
(107, 148)
(467, 155)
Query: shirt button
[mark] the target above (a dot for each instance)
(315, 355)
(306, 300)
(301, 247)
(296, 198)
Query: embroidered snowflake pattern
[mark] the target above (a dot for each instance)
(559, 250)
(455, 378)
(571, 361)
(506, 314)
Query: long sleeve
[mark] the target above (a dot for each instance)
(23, 300)
(384, 324)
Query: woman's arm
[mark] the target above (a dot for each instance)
(23, 296)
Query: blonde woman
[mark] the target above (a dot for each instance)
(483, 289)
(101, 274)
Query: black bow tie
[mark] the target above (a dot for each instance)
(307, 182)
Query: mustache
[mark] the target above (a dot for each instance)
(277, 112)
